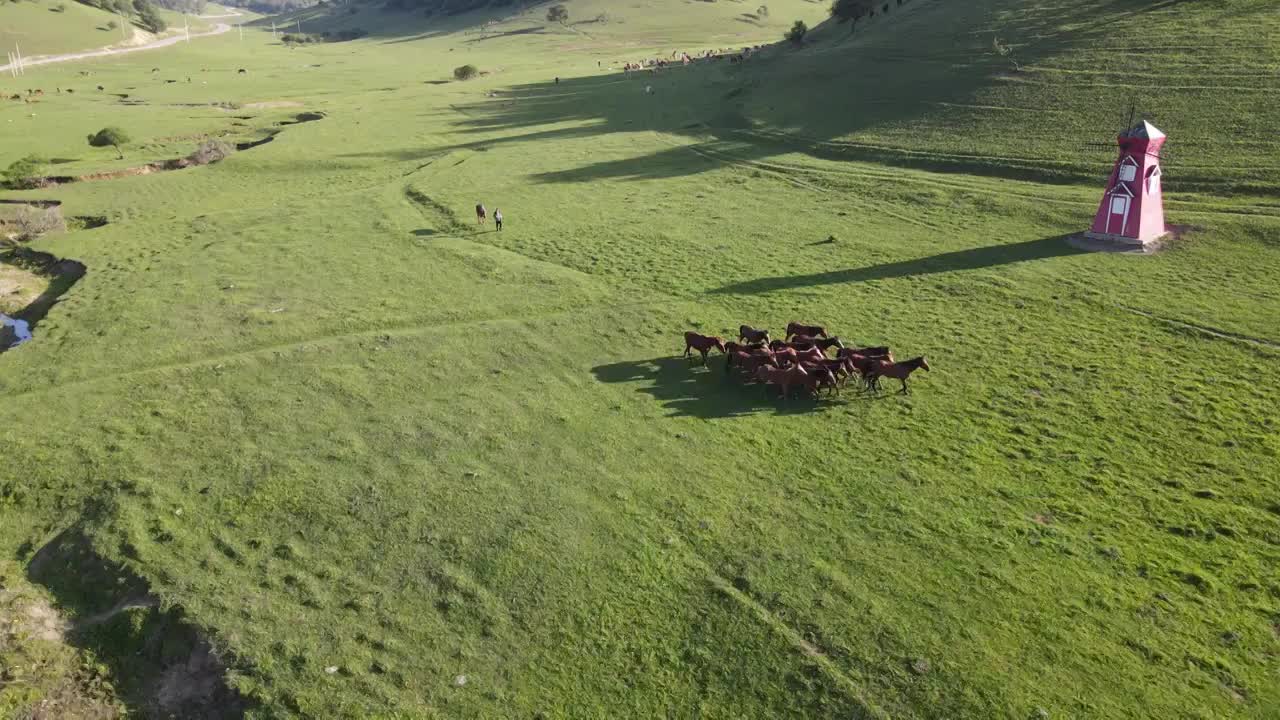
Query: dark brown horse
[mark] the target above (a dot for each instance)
(796, 328)
(898, 371)
(481, 213)
(702, 343)
(753, 335)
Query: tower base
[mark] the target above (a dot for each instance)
(1106, 242)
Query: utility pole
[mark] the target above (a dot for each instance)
(273, 29)
(124, 22)
(241, 26)
(13, 70)
(299, 25)
(22, 68)
(186, 29)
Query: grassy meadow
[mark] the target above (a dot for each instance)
(389, 464)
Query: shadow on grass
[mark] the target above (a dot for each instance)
(160, 664)
(972, 259)
(691, 390)
(731, 107)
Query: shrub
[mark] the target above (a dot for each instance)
(110, 137)
(211, 151)
(24, 174)
(762, 11)
(557, 13)
(59, 8)
(33, 222)
(797, 32)
(465, 72)
(112, 24)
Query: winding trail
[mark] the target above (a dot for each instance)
(218, 29)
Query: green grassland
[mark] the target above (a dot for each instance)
(37, 29)
(366, 448)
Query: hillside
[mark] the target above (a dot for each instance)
(297, 436)
(46, 27)
(1027, 87)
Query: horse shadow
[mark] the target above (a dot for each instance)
(688, 389)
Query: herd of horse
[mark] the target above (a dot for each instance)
(800, 360)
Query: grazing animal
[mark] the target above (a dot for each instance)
(819, 377)
(865, 364)
(70, 91)
(703, 344)
(100, 88)
(874, 352)
(750, 334)
(796, 328)
(748, 362)
(480, 214)
(241, 71)
(899, 371)
(824, 344)
(155, 70)
(784, 378)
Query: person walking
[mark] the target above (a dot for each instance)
(497, 219)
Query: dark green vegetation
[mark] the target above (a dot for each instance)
(365, 449)
(110, 137)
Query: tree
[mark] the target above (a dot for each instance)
(465, 72)
(149, 17)
(24, 174)
(558, 13)
(110, 137)
(853, 10)
(797, 32)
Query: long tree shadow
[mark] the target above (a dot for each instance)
(690, 390)
(971, 259)
(160, 664)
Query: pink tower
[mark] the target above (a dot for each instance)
(1132, 210)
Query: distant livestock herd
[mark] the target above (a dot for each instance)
(800, 360)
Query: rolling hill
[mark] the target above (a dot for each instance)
(304, 439)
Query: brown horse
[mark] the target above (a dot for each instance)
(702, 343)
(752, 335)
(796, 328)
(898, 371)
(822, 343)
(819, 377)
(748, 362)
(481, 213)
(874, 352)
(783, 378)
(864, 365)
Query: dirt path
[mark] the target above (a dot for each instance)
(104, 52)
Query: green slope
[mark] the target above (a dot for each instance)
(367, 448)
(38, 30)
(925, 83)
